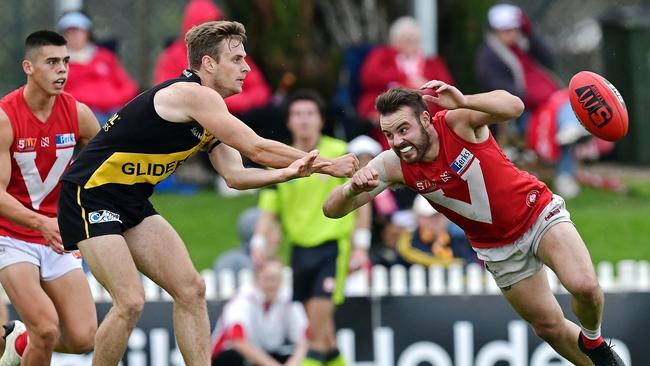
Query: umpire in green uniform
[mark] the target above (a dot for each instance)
(321, 248)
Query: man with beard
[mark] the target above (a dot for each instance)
(513, 221)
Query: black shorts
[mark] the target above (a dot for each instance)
(318, 271)
(87, 213)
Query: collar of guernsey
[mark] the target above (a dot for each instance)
(151, 168)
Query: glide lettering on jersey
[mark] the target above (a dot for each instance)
(132, 168)
(154, 169)
(38, 188)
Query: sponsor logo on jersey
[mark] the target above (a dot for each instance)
(151, 169)
(532, 197)
(553, 212)
(445, 176)
(111, 121)
(65, 140)
(97, 217)
(462, 161)
(425, 185)
(26, 144)
(198, 134)
(45, 141)
(133, 168)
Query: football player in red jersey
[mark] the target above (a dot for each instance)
(40, 126)
(513, 221)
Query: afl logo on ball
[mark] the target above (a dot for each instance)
(532, 197)
(593, 102)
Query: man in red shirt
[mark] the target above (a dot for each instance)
(513, 221)
(40, 126)
(97, 77)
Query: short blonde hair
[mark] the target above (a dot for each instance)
(206, 39)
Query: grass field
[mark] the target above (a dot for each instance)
(615, 226)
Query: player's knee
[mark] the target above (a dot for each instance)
(82, 341)
(131, 307)
(45, 334)
(587, 289)
(549, 330)
(192, 291)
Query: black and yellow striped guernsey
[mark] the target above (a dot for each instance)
(136, 148)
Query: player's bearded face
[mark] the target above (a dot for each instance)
(413, 147)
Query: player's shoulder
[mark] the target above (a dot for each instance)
(190, 91)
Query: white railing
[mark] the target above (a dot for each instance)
(624, 276)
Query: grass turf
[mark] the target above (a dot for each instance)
(614, 226)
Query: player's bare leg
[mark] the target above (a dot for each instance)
(565, 253)
(160, 254)
(563, 250)
(76, 312)
(110, 262)
(320, 312)
(22, 283)
(4, 317)
(533, 300)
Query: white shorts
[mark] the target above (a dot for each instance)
(516, 261)
(51, 264)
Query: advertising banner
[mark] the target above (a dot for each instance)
(415, 331)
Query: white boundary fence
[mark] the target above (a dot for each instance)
(624, 276)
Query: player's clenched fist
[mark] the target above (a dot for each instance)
(343, 166)
(365, 180)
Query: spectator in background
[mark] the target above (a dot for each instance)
(435, 240)
(239, 258)
(256, 93)
(256, 323)
(514, 58)
(97, 78)
(400, 63)
(320, 247)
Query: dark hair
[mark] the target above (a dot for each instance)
(42, 38)
(308, 95)
(395, 98)
(205, 39)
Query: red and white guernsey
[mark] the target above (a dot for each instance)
(478, 188)
(40, 153)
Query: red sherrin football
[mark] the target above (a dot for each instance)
(598, 106)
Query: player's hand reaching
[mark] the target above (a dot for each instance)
(365, 180)
(343, 166)
(49, 227)
(448, 96)
(306, 166)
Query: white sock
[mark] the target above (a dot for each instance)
(591, 334)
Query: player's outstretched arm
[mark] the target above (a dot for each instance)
(13, 210)
(227, 161)
(476, 109)
(182, 102)
(381, 172)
